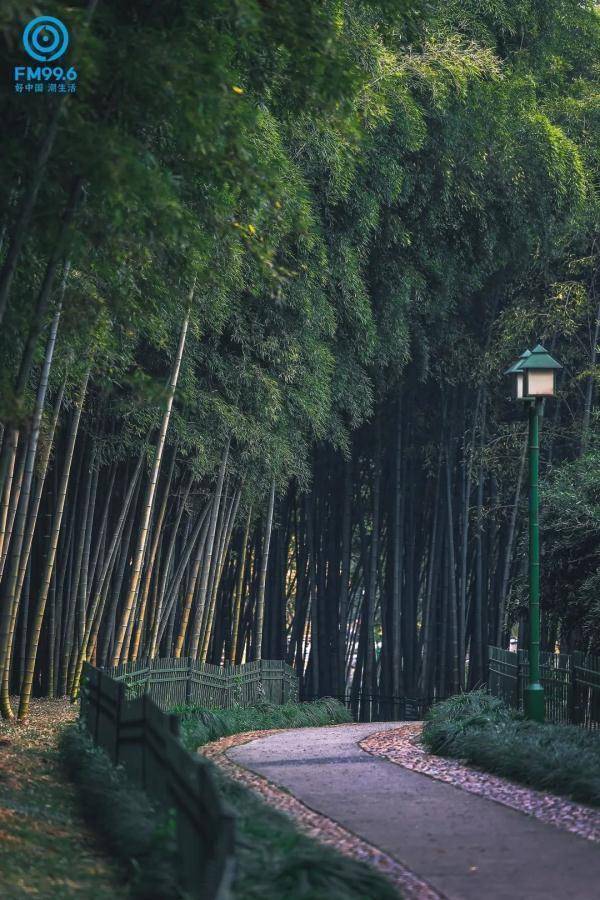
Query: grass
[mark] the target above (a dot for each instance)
(200, 726)
(135, 832)
(482, 730)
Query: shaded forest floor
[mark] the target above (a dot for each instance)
(46, 850)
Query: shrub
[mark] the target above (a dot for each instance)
(200, 726)
(482, 730)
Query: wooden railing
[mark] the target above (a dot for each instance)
(571, 683)
(175, 682)
(138, 735)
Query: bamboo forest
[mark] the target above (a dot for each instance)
(261, 277)
(268, 271)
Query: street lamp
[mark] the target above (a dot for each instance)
(534, 376)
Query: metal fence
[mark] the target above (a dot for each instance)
(379, 707)
(142, 738)
(175, 682)
(571, 684)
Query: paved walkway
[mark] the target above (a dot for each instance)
(466, 847)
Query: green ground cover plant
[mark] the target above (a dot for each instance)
(136, 833)
(483, 731)
(275, 861)
(200, 726)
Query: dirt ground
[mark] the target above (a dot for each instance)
(46, 850)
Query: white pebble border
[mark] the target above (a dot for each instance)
(315, 825)
(402, 746)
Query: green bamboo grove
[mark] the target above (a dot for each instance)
(260, 277)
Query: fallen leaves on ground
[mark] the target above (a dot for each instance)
(403, 746)
(46, 851)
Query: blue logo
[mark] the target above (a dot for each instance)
(46, 38)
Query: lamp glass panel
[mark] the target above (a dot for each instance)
(519, 385)
(540, 382)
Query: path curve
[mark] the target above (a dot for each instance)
(467, 847)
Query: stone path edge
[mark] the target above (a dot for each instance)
(314, 824)
(402, 746)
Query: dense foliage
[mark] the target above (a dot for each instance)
(260, 277)
(480, 729)
(572, 560)
(200, 726)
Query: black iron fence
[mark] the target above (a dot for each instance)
(571, 684)
(379, 707)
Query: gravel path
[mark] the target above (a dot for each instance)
(466, 846)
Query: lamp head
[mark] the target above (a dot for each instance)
(539, 373)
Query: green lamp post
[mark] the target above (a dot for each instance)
(534, 376)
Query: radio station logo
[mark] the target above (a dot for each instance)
(45, 39)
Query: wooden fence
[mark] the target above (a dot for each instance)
(138, 735)
(571, 684)
(174, 682)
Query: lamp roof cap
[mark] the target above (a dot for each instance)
(539, 358)
(518, 365)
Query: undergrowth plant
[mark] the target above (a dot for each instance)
(200, 725)
(138, 834)
(481, 729)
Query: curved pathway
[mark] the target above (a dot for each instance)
(467, 847)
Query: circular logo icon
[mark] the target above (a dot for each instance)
(46, 38)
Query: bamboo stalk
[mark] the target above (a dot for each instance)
(151, 559)
(228, 527)
(239, 591)
(11, 598)
(149, 499)
(40, 607)
(260, 610)
(195, 638)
